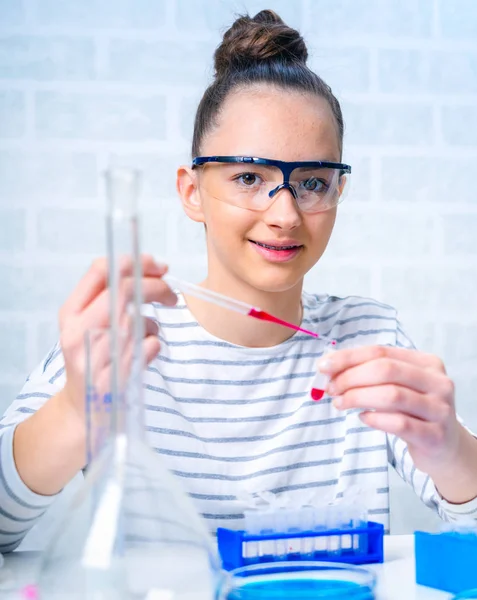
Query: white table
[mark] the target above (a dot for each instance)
(396, 580)
(396, 576)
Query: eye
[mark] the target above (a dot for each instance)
(247, 179)
(314, 185)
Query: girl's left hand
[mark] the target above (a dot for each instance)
(402, 392)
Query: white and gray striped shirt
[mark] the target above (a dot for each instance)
(229, 419)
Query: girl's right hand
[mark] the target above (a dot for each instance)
(88, 308)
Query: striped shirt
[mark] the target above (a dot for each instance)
(230, 420)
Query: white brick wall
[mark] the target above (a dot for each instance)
(82, 83)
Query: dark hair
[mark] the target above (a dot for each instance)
(262, 49)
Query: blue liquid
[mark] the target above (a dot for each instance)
(469, 594)
(301, 589)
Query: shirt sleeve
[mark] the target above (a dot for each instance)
(422, 484)
(20, 507)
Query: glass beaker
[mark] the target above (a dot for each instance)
(131, 532)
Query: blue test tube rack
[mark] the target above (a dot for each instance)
(232, 546)
(446, 561)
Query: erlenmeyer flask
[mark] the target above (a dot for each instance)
(131, 532)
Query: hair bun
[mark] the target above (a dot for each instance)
(264, 37)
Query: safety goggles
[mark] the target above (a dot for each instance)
(252, 183)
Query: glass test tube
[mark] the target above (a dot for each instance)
(123, 248)
(321, 380)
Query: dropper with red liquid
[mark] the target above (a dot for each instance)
(264, 316)
(320, 381)
(231, 304)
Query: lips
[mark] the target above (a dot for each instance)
(277, 252)
(277, 246)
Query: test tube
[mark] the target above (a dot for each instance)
(354, 498)
(250, 550)
(259, 521)
(281, 544)
(266, 548)
(293, 518)
(333, 522)
(345, 521)
(360, 520)
(321, 380)
(321, 525)
(307, 518)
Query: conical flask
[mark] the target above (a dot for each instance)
(131, 532)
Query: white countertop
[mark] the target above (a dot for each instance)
(396, 576)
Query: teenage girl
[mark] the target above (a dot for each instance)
(227, 397)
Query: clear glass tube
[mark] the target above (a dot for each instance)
(122, 224)
(99, 402)
(132, 532)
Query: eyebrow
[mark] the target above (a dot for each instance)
(311, 169)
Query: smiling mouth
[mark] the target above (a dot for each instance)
(277, 248)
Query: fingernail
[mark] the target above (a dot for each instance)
(324, 365)
(331, 389)
(160, 265)
(338, 401)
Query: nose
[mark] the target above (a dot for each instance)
(283, 185)
(283, 213)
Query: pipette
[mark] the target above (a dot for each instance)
(231, 304)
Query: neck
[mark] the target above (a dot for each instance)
(240, 329)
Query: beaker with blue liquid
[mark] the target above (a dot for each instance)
(299, 581)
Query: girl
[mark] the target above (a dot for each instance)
(227, 397)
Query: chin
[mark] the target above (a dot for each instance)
(276, 277)
(275, 282)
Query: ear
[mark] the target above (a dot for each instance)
(189, 194)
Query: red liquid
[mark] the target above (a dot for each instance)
(30, 592)
(264, 316)
(317, 394)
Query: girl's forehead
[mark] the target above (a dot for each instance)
(281, 124)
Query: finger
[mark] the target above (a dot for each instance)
(340, 360)
(99, 346)
(150, 327)
(153, 290)
(98, 353)
(99, 350)
(410, 429)
(397, 399)
(126, 359)
(96, 280)
(384, 371)
(151, 348)
(103, 385)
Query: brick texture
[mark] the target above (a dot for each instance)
(90, 82)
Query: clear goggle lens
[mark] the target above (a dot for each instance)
(255, 187)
